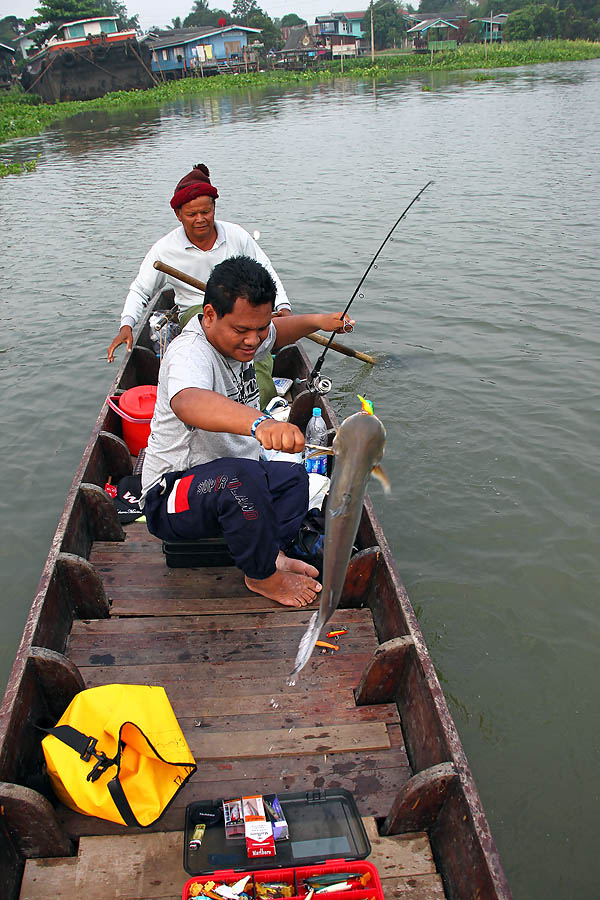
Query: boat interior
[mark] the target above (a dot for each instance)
(369, 717)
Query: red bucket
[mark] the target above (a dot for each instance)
(136, 408)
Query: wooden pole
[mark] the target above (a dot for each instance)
(372, 35)
(317, 338)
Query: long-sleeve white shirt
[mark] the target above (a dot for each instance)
(175, 249)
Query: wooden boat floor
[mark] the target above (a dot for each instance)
(223, 655)
(148, 867)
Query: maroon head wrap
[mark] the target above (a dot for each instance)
(195, 184)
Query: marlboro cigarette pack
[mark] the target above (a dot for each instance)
(258, 832)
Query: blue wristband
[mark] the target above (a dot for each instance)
(257, 423)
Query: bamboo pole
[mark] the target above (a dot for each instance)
(316, 338)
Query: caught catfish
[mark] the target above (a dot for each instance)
(358, 448)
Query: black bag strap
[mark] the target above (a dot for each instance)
(85, 745)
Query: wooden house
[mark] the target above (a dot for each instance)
(490, 29)
(180, 51)
(433, 34)
(301, 46)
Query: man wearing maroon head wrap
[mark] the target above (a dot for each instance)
(195, 247)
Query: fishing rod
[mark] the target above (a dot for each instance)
(315, 382)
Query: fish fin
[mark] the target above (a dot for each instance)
(382, 478)
(322, 451)
(307, 644)
(342, 509)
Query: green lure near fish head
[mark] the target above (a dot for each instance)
(358, 448)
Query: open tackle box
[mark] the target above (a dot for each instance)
(326, 837)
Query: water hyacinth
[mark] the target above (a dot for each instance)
(22, 114)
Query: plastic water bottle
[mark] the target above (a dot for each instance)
(316, 433)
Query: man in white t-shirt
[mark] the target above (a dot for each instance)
(195, 247)
(202, 475)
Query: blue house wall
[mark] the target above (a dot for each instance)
(216, 41)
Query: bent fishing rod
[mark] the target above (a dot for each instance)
(315, 382)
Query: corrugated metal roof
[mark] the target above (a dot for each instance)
(177, 36)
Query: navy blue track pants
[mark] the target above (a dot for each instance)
(257, 506)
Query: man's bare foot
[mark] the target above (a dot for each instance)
(287, 588)
(288, 564)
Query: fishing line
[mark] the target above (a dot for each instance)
(313, 380)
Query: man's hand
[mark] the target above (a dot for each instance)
(274, 435)
(335, 322)
(125, 336)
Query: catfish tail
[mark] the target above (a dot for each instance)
(307, 645)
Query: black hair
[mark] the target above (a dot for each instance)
(239, 276)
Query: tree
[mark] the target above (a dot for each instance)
(291, 19)
(176, 22)
(114, 8)
(241, 10)
(519, 25)
(10, 30)
(270, 35)
(388, 24)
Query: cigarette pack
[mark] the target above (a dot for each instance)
(259, 838)
(258, 832)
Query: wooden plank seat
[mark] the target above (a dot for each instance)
(149, 867)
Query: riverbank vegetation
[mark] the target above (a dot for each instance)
(24, 115)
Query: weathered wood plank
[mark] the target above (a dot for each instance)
(149, 866)
(59, 679)
(33, 822)
(399, 855)
(382, 677)
(351, 619)
(158, 648)
(418, 803)
(298, 742)
(275, 718)
(180, 680)
(414, 887)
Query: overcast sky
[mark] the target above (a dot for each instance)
(157, 12)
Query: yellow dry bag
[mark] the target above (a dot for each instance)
(118, 753)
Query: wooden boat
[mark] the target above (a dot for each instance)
(370, 718)
(88, 58)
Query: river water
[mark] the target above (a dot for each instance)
(484, 313)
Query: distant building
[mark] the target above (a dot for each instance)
(301, 46)
(178, 50)
(490, 29)
(26, 41)
(342, 36)
(433, 34)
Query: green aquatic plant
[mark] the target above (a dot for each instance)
(18, 168)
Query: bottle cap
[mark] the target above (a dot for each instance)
(316, 411)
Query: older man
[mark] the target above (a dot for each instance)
(202, 475)
(195, 247)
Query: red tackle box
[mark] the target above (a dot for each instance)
(326, 836)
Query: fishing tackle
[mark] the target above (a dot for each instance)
(314, 380)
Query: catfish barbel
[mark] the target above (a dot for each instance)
(358, 448)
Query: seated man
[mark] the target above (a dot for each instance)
(202, 475)
(195, 247)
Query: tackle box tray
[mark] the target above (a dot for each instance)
(323, 826)
(294, 878)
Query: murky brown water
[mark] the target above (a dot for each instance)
(484, 311)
